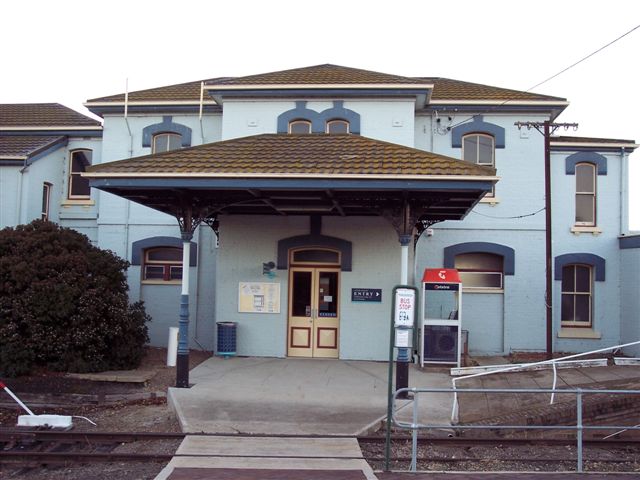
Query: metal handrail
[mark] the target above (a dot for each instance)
(579, 427)
(553, 362)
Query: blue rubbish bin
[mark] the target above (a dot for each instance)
(226, 338)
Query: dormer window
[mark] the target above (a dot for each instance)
(164, 142)
(300, 127)
(337, 126)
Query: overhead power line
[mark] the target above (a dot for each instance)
(583, 58)
(516, 216)
(552, 76)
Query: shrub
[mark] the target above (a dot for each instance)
(64, 304)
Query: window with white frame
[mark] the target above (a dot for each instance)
(79, 188)
(337, 126)
(577, 295)
(300, 126)
(586, 176)
(164, 142)
(479, 148)
(162, 264)
(46, 200)
(481, 271)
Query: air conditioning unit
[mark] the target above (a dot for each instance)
(440, 343)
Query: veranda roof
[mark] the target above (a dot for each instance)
(298, 174)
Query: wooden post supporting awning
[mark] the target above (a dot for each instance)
(278, 174)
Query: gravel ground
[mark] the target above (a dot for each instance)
(140, 416)
(506, 458)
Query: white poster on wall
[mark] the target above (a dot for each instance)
(258, 297)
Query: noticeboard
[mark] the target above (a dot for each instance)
(258, 297)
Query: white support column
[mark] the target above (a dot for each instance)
(404, 261)
(182, 371)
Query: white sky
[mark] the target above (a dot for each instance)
(68, 51)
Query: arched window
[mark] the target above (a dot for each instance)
(478, 148)
(480, 270)
(586, 194)
(337, 126)
(162, 264)
(300, 127)
(46, 200)
(164, 142)
(577, 295)
(79, 188)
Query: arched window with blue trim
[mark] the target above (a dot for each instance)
(479, 148)
(166, 141)
(577, 295)
(299, 127)
(337, 126)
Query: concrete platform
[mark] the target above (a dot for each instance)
(329, 397)
(297, 396)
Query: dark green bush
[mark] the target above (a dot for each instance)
(64, 304)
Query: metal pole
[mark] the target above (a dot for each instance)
(414, 434)
(387, 443)
(182, 370)
(579, 425)
(404, 354)
(548, 244)
(555, 382)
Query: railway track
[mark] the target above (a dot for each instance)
(19, 447)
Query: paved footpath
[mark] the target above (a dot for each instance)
(267, 458)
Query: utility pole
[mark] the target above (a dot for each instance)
(547, 129)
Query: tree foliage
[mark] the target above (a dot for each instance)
(64, 304)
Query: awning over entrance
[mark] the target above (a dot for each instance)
(278, 174)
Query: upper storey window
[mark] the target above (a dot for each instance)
(478, 148)
(164, 142)
(337, 126)
(79, 188)
(586, 194)
(300, 127)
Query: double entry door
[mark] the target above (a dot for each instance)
(314, 320)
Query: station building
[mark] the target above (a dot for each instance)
(306, 195)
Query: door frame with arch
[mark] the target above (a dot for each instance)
(313, 319)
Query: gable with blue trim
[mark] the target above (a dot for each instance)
(600, 161)
(166, 126)
(478, 125)
(580, 258)
(319, 119)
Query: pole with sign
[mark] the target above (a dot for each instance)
(403, 320)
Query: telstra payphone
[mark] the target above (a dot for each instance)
(441, 319)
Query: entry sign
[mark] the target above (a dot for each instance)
(405, 307)
(366, 295)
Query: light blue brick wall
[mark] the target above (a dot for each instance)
(604, 243)
(630, 297)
